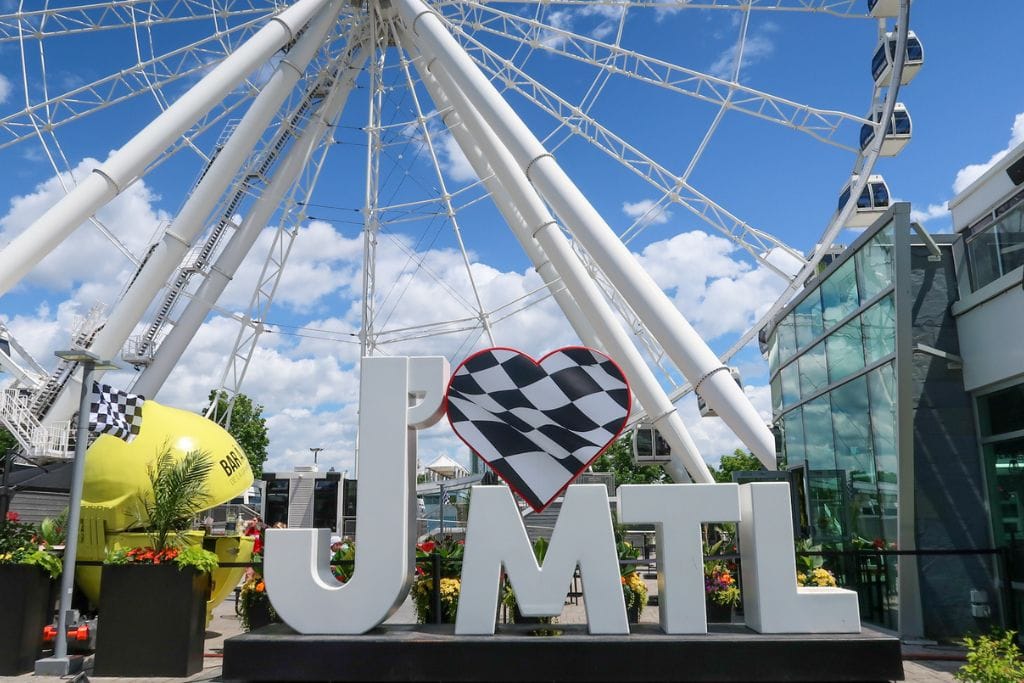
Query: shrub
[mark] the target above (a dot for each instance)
(992, 659)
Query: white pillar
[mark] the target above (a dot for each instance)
(190, 221)
(537, 220)
(126, 165)
(680, 341)
(241, 242)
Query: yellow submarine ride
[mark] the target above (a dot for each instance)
(116, 473)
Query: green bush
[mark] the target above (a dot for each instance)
(992, 659)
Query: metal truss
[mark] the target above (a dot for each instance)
(105, 16)
(838, 8)
(153, 74)
(826, 125)
(752, 240)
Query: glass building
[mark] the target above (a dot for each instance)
(875, 426)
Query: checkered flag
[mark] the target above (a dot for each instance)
(115, 412)
(538, 425)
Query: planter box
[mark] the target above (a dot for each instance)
(26, 607)
(152, 621)
(719, 614)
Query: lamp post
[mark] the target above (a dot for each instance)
(315, 452)
(60, 664)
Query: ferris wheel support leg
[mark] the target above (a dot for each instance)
(242, 241)
(190, 221)
(479, 141)
(128, 164)
(667, 324)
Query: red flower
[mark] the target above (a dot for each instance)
(879, 544)
(12, 516)
(427, 547)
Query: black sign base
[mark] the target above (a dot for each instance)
(434, 653)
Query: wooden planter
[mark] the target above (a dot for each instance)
(152, 621)
(25, 608)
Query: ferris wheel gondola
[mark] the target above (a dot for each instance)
(897, 132)
(885, 57)
(872, 202)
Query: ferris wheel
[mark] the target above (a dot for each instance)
(444, 133)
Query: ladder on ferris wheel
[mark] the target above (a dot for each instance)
(140, 350)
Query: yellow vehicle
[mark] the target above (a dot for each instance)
(116, 473)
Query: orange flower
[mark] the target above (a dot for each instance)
(260, 587)
(623, 578)
(726, 579)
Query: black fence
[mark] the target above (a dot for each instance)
(870, 572)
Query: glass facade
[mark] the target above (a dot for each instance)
(997, 248)
(832, 361)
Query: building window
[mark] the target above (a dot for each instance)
(813, 370)
(277, 501)
(839, 296)
(845, 351)
(1002, 412)
(878, 325)
(808, 320)
(874, 264)
(997, 249)
(1001, 416)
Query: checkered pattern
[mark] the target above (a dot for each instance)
(538, 426)
(115, 412)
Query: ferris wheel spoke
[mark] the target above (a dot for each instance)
(847, 9)
(826, 125)
(757, 243)
(442, 185)
(84, 100)
(104, 16)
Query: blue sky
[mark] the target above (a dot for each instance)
(965, 107)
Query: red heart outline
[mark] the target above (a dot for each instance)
(540, 363)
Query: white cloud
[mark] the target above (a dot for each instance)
(647, 211)
(931, 212)
(5, 88)
(718, 293)
(968, 174)
(757, 48)
(309, 383)
(711, 435)
(86, 255)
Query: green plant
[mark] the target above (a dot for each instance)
(992, 659)
(177, 493)
(194, 556)
(450, 553)
(54, 529)
(253, 594)
(22, 543)
(720, 585)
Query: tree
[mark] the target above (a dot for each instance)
(7, 441)
(618, 459)
(248, 426)
(739, 461)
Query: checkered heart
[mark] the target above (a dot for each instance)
(538, 425)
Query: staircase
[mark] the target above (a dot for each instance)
(300, 509)
(39, 442)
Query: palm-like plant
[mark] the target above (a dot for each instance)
(178, 493)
